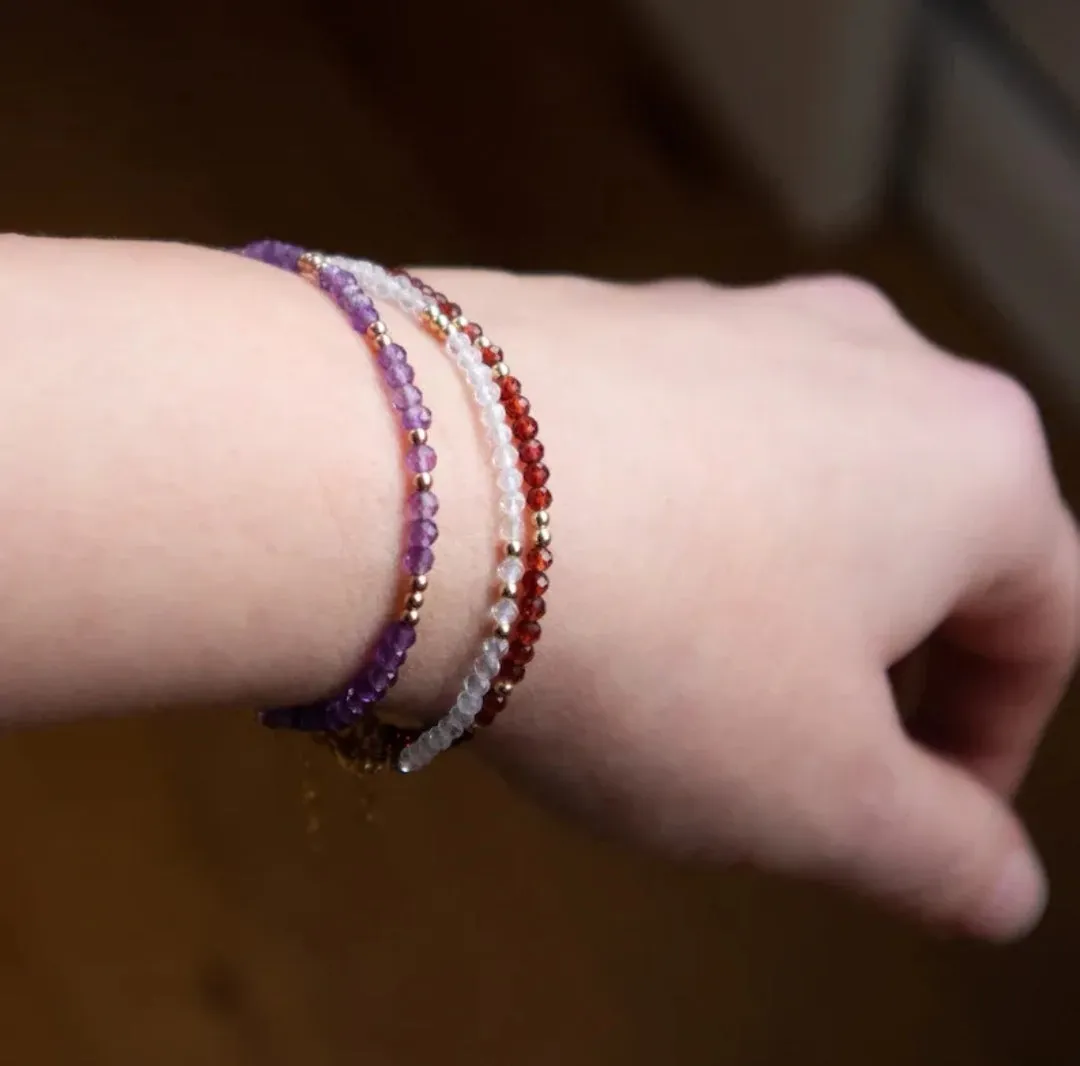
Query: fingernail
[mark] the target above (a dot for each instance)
(1017, 902)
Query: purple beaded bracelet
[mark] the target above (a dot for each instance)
(352, 705)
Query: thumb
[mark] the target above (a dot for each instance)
(940, 845)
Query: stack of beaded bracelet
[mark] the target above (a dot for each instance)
(512, 431)
(346, 717)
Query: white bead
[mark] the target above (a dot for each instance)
(505, 612)
(479, 374)
(511, 570)
(513, 503)
(469, 704)
(493, 414)
(413, 301)
(454, 726)
(487, 666)
(510, 480)
(500, 434)
(476, 684)
(458, 344)
(505, 457)
(512, 528)
(486, 393)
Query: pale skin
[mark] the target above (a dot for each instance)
(764, 500)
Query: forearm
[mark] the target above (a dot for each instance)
(201, 487)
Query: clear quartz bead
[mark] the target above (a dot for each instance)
(505, 457)
(469, 704)
(487, 393)
(477, 684)
(487, 666)
(459, 344)
(505, 611)
(500, 434)
(511, 570)
(512, 528)
(454, 726)
(512, 503)
(510, 480)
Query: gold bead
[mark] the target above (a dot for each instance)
(483, 341)
(424, 482)
(383, 340)
(502, 629)
(502, 688)
(442, 322)
(514, 548)
(415, 601)
(418, 436)
(543, 538)
(509, 592)
(410, 616)
(377, 328)
(420, 583)
(460, 322)
(542, 519)
(500, 370)
(307, 267)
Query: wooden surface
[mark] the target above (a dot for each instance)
(164, 898)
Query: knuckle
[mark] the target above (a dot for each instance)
(843, 297)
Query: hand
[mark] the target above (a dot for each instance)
(764, 500)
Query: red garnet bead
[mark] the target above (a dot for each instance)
(529, 632)
(451, 310)
(539, 559)
(472, 331)
(526, 428)
(539, 499)
(509, 387)
(517, 406)
(533, 609)
(531, 451)
(492, 354)
(535, 583)
(536, 475)
(521, 653)
(492, 705)
(512, 671)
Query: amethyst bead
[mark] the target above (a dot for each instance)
(400, 635)
(391, 354)
(363, 318)
(334, 280)
(421, 459)
(423, 533)
(416, 417)
(398, 374)
(422, 505)
(405, 397)
(418, 561)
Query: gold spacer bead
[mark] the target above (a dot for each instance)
(514, 548)
(307, 267)
(420, 583)
(502, 688)
(483, 341)
(418, 436)
(410, 616)
(442, 322)
(460, 322)
(415, 601)
(502, 630)
(424, 482)
(383, 340)
(543, 537)
(500, 370)
(378, 328)
(509, 592)
(542, 519)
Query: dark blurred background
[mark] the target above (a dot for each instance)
(182, 890)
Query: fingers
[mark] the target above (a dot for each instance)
(998, 667)
(925, 838)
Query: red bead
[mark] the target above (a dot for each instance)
(509, 387)
(539, 499)
(451, 310)
(532, 610)
(529, 632)
(535, 583)
(526, 428)
(400, 272)
(517, 406)
(511, 671)
(487, 715)
(521, 653)
(536, 475)
(492, 354)
(427, 290)
(539, 559)
(472, 331)
(531, 451)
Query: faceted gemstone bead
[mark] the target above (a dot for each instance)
(451, 310)
(489, 712)
(398, 374)
(419, 561)
(511, 570)
(535, 583)
(391, 354)
(539, 499)
(517, 407)
(526, 428)
(536, 475)
(531, 451)
(422, 505)
(492, 354)
(388, 656)
(472, 330)
(528, 632)
(334, 280)
(352, 299)
(423, 533)
(539, 559)
(533, 609)
(521, 653)
(505, 612)
(509, 386)
(418, 417)
(363, 318)
(400, 635)
(405, 397)
(512, 671)
(421, 459)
